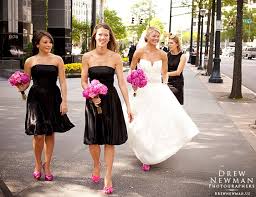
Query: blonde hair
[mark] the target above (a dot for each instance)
(176, 39)
(149, 31)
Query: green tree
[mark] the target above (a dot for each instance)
(80, 31)
(237, 71)
(229, 24)
(115, 22)
(143, 13)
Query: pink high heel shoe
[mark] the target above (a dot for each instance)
(47, 177)
(145, 167)
(37, 175)
(108, 190)
(95, 179)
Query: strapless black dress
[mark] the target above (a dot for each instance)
(108, 127)
(43, 115)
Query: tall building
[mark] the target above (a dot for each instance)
(18, 20)
(81, 10)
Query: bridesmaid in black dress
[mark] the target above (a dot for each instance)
(108, 127)
(176, 64)
(46, 104)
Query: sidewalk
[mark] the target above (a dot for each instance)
(222, 147)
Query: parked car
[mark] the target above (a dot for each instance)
(229, 51)
(249, 52)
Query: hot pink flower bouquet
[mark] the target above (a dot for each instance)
(94, 89)
(137, 78)
(19, 78)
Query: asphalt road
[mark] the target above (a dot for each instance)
(248, 71)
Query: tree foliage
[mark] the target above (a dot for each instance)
(115, 22)
(80, 31)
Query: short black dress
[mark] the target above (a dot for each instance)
(43, 115)
(176, 81)
(108, 127)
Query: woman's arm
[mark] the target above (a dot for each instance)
(136, 58)
(62, 79)
(84, 72)
(63, 85)
(27, 70)
(122, 84)
(164, 66)
(180, 68)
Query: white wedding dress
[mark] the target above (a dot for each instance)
(160, 126)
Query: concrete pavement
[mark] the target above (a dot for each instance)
(223, 151)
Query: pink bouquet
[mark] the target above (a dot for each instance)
(19, 78)
(94, 89)
(137, 78)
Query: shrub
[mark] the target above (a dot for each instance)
(73, 68)
(125, 59)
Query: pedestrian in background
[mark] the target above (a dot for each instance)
(107, 128)
(46, 103)
(176, 64)
(163, 47)
(132, 49)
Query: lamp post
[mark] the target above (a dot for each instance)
(170, 23)
(202, 13)
(93, 22)
(191, 34)
(215, 76)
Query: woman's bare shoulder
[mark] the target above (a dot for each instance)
(87, 55)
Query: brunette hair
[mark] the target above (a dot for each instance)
(37, 37)
(112, 40)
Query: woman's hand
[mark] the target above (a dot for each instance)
(21, 88)
(130, 115)
(96, 100)
(134, 88)
(63, 108)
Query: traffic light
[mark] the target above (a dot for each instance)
(141, 20)
(132, 20)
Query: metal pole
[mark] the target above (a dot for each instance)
(87, 25)
(93, 23)
(170, 23)
(201, 44)
(215, 76)
(191, 34)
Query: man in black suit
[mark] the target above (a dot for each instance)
(131, 52)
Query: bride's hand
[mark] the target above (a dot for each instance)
(134, 88)
(130, 115)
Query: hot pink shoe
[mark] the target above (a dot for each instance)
(47, 177)
(95, 179)
(37, 175)
(145, 167)
(108, 190)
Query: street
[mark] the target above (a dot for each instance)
(193, 172)
(248, 70)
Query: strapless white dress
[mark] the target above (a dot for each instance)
(160, 126)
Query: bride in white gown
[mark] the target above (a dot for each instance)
(160, 126)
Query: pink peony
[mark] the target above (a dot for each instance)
(137, 78)
(19, 78)
(94, 89)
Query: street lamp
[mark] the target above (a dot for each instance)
(215, 76)
(170, 22)
(202, 13)
(191, 34)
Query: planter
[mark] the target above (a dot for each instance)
(73, 75)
